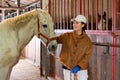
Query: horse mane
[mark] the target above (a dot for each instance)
(15, 21)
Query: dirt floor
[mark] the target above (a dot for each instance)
(24, 70)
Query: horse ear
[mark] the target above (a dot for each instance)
(98, 15)
(104, 13)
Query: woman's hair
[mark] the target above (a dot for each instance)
(85, 27)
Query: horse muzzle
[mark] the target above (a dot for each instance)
(52, 46)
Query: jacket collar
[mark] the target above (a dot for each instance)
(79, 36)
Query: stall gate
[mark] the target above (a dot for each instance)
(103, 27)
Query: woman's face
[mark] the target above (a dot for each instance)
(77, 26)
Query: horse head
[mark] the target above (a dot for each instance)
(102, 21)
(45, 29)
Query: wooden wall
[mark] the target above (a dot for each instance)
(32, 51)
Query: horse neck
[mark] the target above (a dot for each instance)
(26, 33)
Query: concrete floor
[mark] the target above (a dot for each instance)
(24, 70)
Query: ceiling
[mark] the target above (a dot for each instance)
(14, 3)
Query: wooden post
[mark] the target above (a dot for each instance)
(3, 14)
(18, 12)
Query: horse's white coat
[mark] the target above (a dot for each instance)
(15, 34)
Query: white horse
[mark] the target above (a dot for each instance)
(15, 34)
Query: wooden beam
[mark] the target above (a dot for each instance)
(9, 8)
(15, 8)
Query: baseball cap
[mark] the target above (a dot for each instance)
(80, 18)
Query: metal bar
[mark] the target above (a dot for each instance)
(114, 2)
(100, 32)
(102, 14)
(105, 44)
(64, 27)
(74, 8)
(70, 12)
(92, 14)
(62, 13)
(80, 6)
(83, 7)
(58, 13)
(88, 26)
(96, 14)
(107, 14)
(114, 59)
(53, 10)
(66, 15)
(49, 8)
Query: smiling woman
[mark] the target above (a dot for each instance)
(75, 58)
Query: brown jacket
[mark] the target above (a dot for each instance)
(76, 50)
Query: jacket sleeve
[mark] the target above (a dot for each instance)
(84, 61)
(61, 38)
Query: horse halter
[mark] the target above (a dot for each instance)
(40, 34)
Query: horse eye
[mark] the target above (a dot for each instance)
(45, 26)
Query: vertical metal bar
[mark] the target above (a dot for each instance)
(84, 7)
(88, 15)
(74, 8)
(102, 14)
(66, 14)
(64, 27)
(107, 14)
(114, 3)
(114, 59)
(114, 15)
(49, 8)
(97, 14)
(52, 1)
(92, 15)
(80, 6)
(60, 14)
(70, 12)
(68, 20)
(57, 19)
